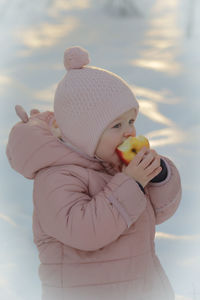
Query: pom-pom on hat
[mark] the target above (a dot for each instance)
(87, 100)
(75, 58)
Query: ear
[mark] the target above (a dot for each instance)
(21, 113)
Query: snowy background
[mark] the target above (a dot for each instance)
(155, 46)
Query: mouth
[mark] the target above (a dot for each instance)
(119, 158)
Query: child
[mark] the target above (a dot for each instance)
(94, 218)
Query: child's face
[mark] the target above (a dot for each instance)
(114, 135)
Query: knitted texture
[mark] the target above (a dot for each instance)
(87, 100)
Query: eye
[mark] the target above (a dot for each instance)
(130, 121)
(116, 126)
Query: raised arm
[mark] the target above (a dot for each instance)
(68, 213)
(165, 195)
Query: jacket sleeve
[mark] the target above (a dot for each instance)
(165, 195)
(67, 212)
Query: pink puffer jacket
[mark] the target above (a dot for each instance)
(94, 228)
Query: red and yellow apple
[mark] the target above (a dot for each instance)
(130, 147)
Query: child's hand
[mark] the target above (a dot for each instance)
(144, 166)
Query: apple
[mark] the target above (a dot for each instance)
(130, 147)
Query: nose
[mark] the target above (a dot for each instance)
(129, 132)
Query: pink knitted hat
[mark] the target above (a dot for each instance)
(87, 100)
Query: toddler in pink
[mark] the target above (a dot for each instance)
(94, 218)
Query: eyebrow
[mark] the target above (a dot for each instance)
(119, 119)
(115, 121)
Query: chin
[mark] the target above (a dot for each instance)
(117, 163)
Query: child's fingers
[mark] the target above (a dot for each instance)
(155, 173)
(148, 159)
(139, 156)
(153, 166)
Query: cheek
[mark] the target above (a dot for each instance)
(109, 142)
(108, 145)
